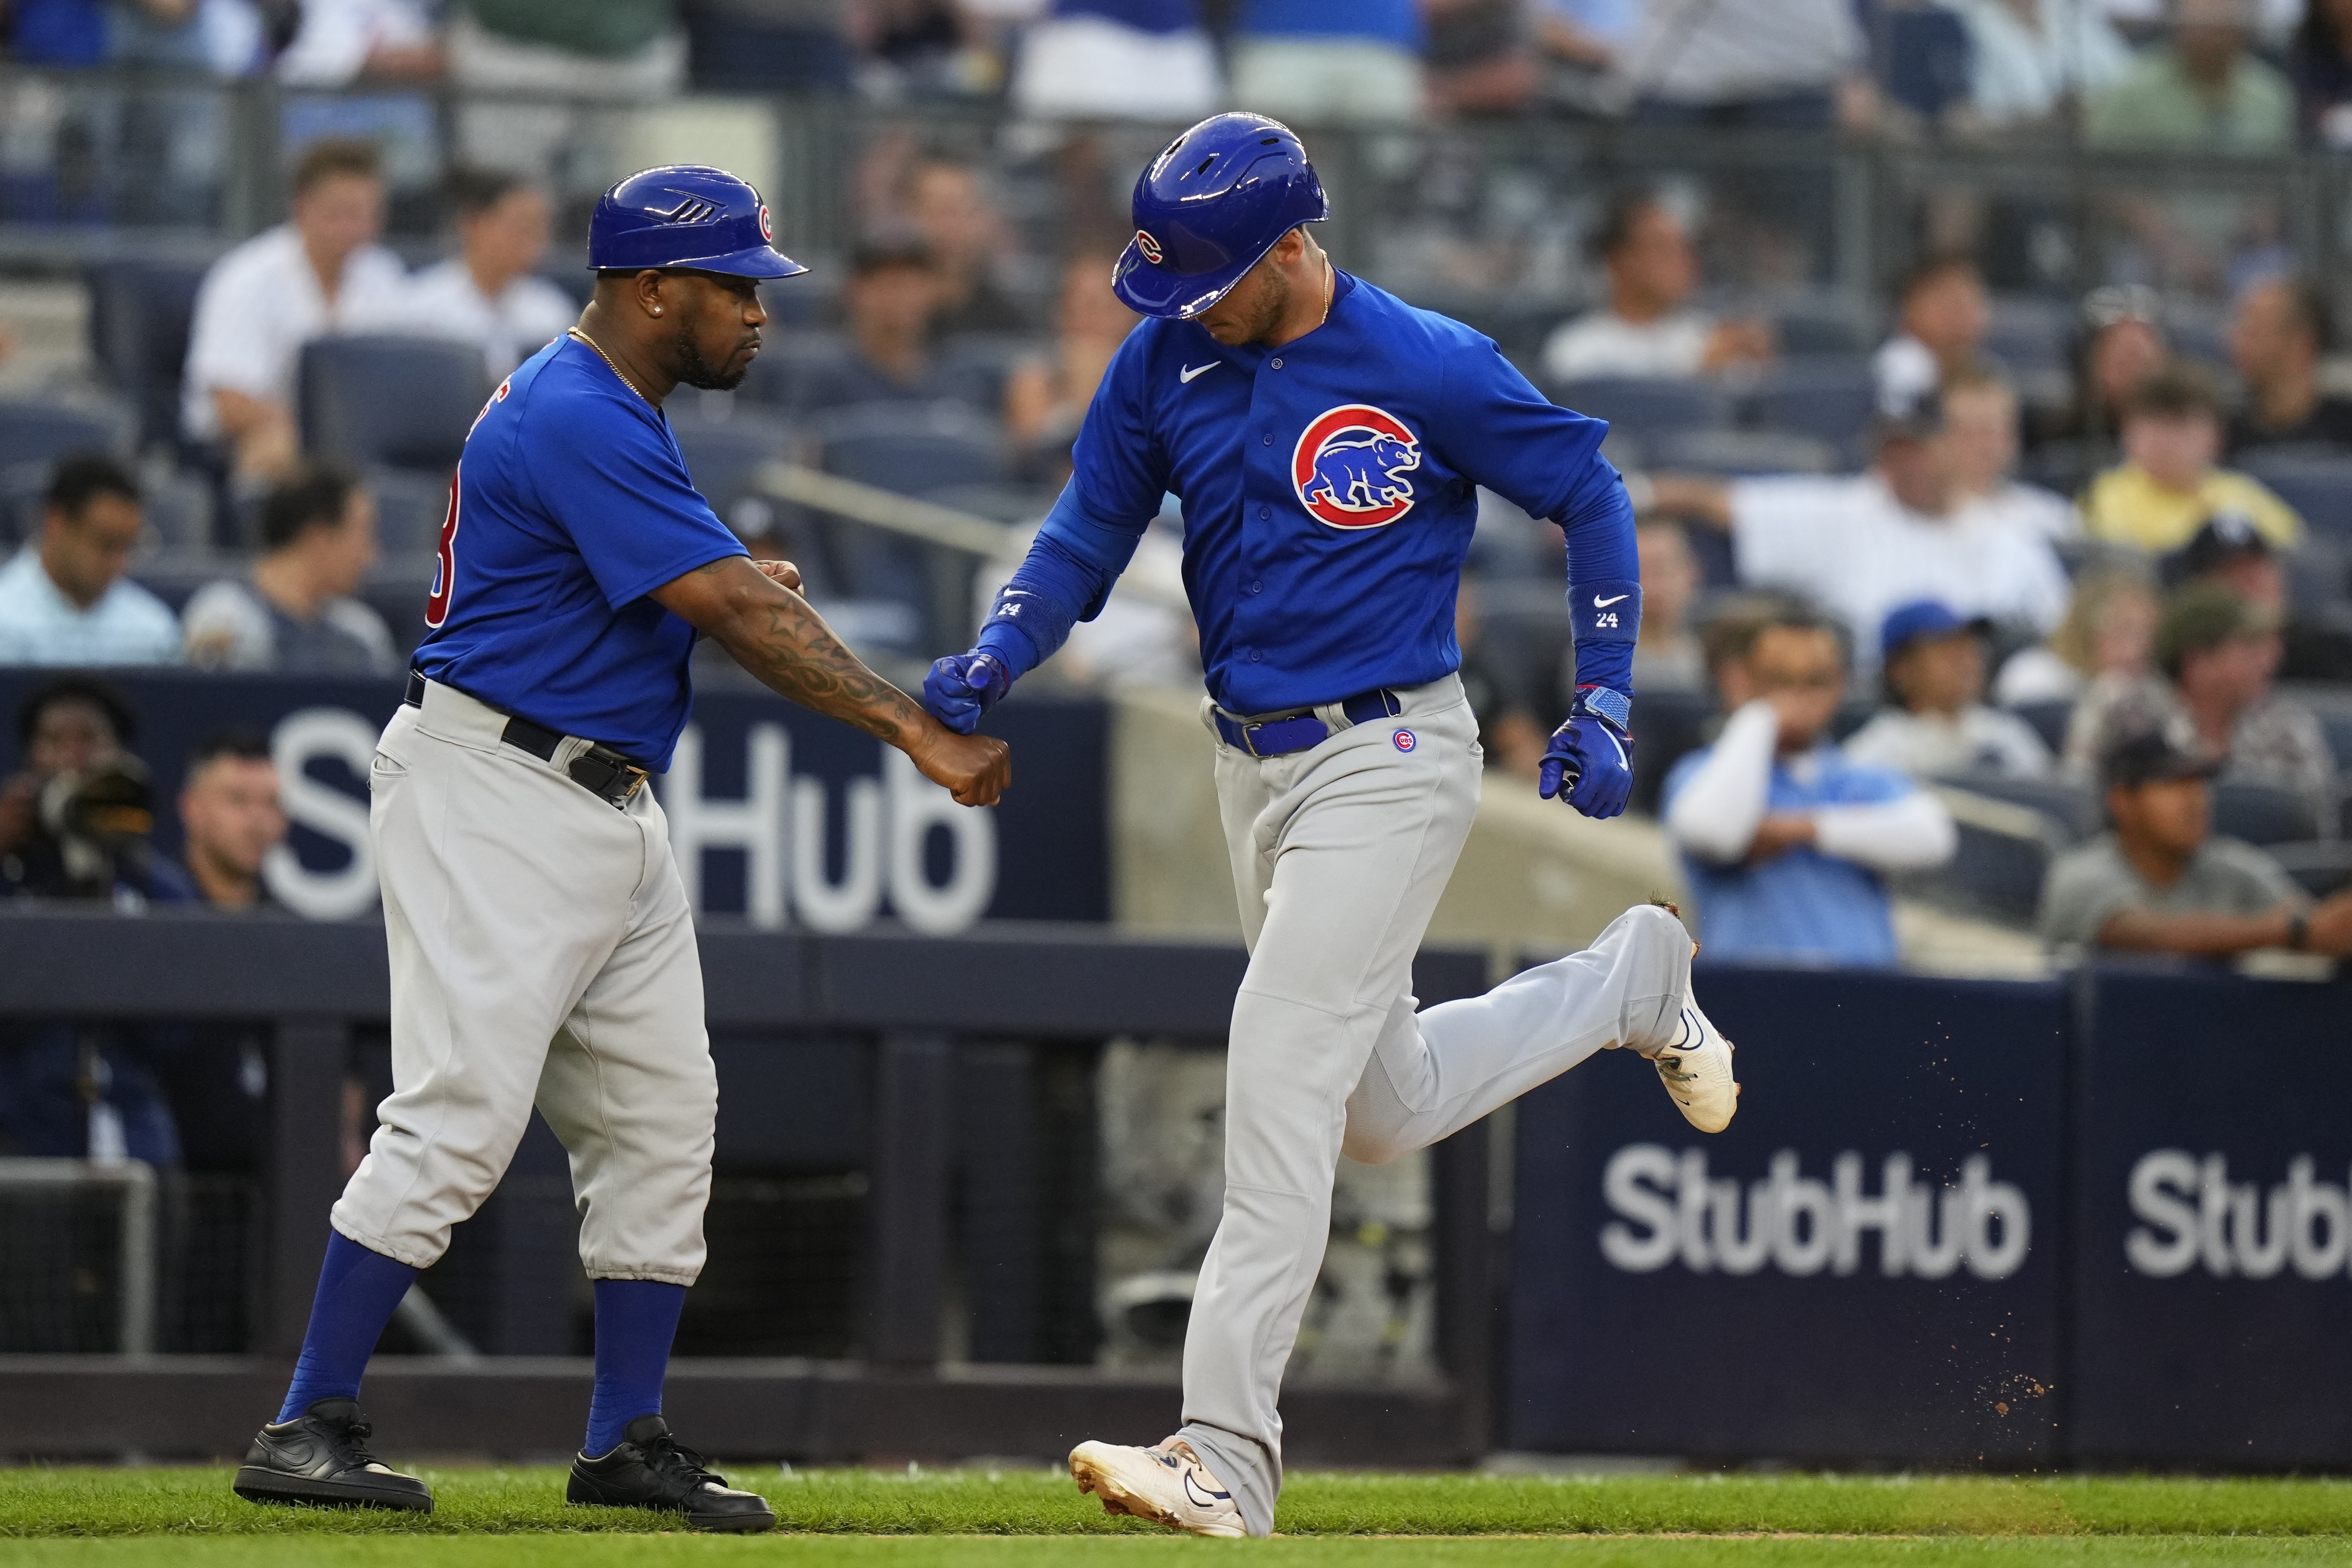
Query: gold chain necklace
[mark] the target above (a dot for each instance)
(616, 369)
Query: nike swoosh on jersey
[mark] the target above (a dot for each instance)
(1605, 603)
(1189, 371)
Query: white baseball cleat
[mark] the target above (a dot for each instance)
(1697, 1073)
(1166, 1484)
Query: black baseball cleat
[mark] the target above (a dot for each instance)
(650, 1469)
(322, 1458)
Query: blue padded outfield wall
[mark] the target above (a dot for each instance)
(777, 813)
(2098, 1219)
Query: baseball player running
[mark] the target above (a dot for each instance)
(541, 948)
(1327, 441)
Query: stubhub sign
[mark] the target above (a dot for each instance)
(1857, 1268)
(775, 814)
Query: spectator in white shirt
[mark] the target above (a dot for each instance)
(64, 598)
(1942, 316)
(489, 293)
(296, 613)
(319, 273)
(1864, 544)
(1980, 428)
(2027, 58)
(1936, 723)
(1649, 328)
(339, 40)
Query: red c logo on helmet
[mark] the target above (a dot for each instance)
(1148, 246)
(767, 233)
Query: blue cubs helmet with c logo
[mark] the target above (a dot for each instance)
(1210, 207)
(687, 216)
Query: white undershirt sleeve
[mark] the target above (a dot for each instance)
(1716, 812)
(1909, 834)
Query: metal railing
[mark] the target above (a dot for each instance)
(131, 1184)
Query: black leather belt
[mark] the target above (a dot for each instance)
(600, 770)
(1279, 735)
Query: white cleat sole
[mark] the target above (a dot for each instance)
(1696, 1072)
(1129, 1481)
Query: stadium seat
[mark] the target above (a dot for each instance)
(1829, 398)
(2049, 720)
(1828, 328)
(2076, 812)
(410, 507)
(2029, 335)
(139, 316)
(2320, 867)
(390, 401)
(41, 430)
(974, 365)
(724, 441)
(1647, 406)
(1737, 454)
(2006, 848)
(915, 449)
(1666, 726)
(2261, 814)
(2319, 489)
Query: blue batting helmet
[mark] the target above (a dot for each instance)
(1209, 207)
(685, 215)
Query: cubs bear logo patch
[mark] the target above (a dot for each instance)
(1349, 467)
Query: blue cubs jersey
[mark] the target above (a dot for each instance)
(571, 503)
(1330, 489)
(1802, 903)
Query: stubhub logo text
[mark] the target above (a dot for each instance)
(1670, 1209)
(2194, 1214)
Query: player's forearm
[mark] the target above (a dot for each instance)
(2201, 936)
(789, 649)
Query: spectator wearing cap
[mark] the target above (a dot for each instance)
(2231, 551)
(1862, 544)
(1941, 319)
(2217, 654)
(2282, 327)
(489, 294)
(2109, 635)
(1649, 327)
(64, 597)
(1785, 838)
(232, 818)
(2169, 484)
(1329, 62)
(1935, 723)
(2158, 880)
(295, 613)
(319, 273)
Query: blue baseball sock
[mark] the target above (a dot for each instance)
(358, 1291)
(636, 1321)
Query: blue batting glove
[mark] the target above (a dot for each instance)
(962, 686)
(1590, 763)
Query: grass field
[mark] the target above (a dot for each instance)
(1000, 1519)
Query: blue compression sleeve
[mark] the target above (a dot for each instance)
(1604, 579)
(636, 1320)
(358, 1291)
(1064, 580)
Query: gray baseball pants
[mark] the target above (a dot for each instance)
(542, 951)
(1339, 854)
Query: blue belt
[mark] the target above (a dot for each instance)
(1283, 734)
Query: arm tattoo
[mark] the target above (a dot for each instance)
(795, 655)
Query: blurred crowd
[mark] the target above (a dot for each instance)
(1923, 574)
(2238, 74)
